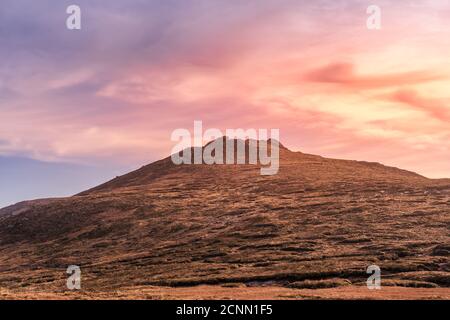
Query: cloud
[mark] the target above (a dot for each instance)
(137, 70)
(437, 108)
(344, 74)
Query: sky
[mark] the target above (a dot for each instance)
(78, 107)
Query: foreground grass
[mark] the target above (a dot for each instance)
(238, 292)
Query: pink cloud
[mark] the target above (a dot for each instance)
(436, 108)
(344, 74)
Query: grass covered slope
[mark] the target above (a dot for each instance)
(317, 223)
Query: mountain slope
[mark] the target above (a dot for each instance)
(164, 224)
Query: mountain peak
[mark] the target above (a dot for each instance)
(304, 166)
(248, 141)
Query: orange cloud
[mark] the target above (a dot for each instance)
(344, 74)
(436, 108)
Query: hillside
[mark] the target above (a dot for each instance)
(321, 220)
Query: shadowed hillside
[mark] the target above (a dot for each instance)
(318, 223)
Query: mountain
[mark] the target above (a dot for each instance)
(318, 222)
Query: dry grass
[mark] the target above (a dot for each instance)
(240, 292)
(317, 220)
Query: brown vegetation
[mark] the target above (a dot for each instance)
(318, 223)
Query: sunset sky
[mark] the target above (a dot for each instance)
(78, 107)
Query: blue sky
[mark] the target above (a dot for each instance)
(27, 179)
